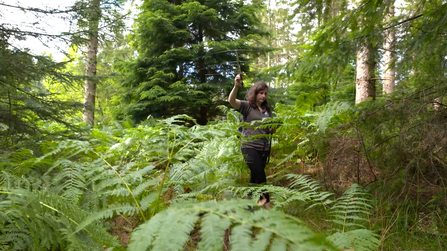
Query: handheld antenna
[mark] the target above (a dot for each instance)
(239, 69)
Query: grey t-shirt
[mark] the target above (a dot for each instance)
(251, 114)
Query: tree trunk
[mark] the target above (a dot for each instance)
(202, 75)
(365, 82)
(90, 70)
(389, 55)
(437, 104)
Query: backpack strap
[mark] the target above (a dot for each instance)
(244, 117)
(270, 144)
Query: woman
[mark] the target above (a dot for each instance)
(255, 149)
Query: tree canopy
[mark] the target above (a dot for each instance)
(188, 53)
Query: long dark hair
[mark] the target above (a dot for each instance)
(253, 92)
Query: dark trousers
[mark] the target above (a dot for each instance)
(256, 163)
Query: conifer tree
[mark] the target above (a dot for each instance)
(365, 82)
(99, 21)
(389, 40)
(188, 54)
(25, 103)
(281, 40)
(90, 70)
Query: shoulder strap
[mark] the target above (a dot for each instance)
(244, 117)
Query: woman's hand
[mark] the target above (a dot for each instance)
(238, 80)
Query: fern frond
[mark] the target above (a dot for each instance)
(352, 209)
(18, 239)
(175, 230)
(262, 240)
(70, 181)
(279, 244)
(211, 232)
(125, 209)
(218, 159)
(144, 186)
(143, 237)
(310, 188)
(287, 158)
(282, 195)
(212, 189)
(180, 219)
(359, 240)
(240, 239)
(329, 111)
(20, 161)
(49, 220)
(11, 181)
(107, 182)
(148, 200)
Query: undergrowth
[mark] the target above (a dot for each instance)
(177, 178)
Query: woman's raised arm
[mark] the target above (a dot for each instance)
(235, 103)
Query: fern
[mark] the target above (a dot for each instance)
(281, 195)
(70, 182)
(359, 240)
(212, 171)
(215, 167)
(212, 233)
(329, 111)
(40, 220)
(83, 178)
(350, 213)
(21, 162)
(170, 229)
(311, 189)
(87, 182)
(352, 209)
(302, 189)
(13, 238)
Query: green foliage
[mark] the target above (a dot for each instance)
(359, 239)
(311, 189)
(109, 16)
(170, 229)
(35, 218)
(350, 212)
(188, 54)
(109, 175)
(304, 128)
(27, 98)
(107, 178)
(352, 209)
(422, 63)
(24, 101)
(180, 181)
(212, 172)
(217, 160)
(408, 224)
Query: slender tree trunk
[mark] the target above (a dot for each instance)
(437, 103)
(11, 116)
(389, 55)
(90, 70)
(202, 75)
(365, 82)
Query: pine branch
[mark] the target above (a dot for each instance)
(404, 21)
(50, 11)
